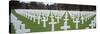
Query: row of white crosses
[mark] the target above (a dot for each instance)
(45, 15)
(44, 19)
(89, 15)
(30, 17)
(20, 28)
(58, 18)
(85, 16)
(52, 19)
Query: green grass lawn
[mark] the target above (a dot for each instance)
(35, 27)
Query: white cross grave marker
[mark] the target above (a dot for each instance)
(52, 23)
(44, 22)
(77, 21)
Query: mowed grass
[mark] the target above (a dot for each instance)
(35, 27)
